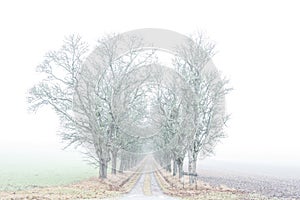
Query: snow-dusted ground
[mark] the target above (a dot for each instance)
(268, 180)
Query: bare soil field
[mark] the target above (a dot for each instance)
(265, 185)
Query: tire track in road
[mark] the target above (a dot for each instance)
(137, 193)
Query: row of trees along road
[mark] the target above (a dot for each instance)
(116, 108)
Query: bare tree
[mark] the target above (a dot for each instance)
(194, 64)
(118, 89)
(60, 70)
(94, 96)
(173, 106)
(102, 99)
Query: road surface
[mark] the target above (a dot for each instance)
(153, 193)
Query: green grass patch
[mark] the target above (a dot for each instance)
(18, 173)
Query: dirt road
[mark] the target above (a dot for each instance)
(147, 186)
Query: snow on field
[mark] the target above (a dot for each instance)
(270, 180)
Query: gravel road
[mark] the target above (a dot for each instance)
(137, 193)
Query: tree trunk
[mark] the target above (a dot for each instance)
(125, 163)
(102, 170)
(105, 170)
(191, 178)
(168, 164)
(174, 167)
(129, 162)
(180, 168)
(114, 162)
(169, 167)
(121, 168)
(194, 170)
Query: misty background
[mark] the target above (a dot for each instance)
(258, 50)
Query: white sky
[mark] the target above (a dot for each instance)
(258, 44)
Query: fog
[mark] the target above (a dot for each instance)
(258, 50)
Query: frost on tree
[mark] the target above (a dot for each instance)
(117, 103)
